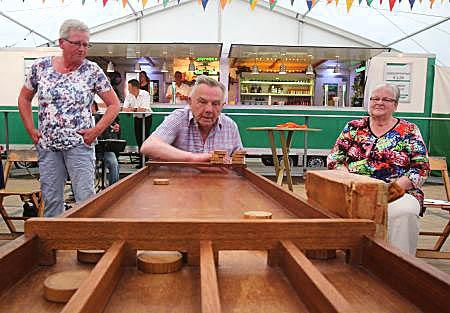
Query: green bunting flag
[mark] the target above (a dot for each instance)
(272, 4)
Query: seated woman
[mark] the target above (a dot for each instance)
(390, 149)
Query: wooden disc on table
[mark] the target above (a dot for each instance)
(59, 287)
(159, 262)
(160, 181)
(257, 215)
(89, 256)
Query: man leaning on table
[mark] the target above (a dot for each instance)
(192, 133)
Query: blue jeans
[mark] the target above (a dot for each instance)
(112, 165)
(79, 163)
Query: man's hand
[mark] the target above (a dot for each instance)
(127, 110)
(89, 135)
(395, 191)
(35, 135)
(115, 127)
(200, 157)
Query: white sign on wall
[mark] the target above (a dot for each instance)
(399, 74)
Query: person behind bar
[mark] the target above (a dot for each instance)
(65, 86)
(390, 149)
(182, 90)
(191, 133)
(138, 100)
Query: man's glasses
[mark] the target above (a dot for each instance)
(80, 44)
(385, 100)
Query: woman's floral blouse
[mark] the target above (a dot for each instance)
(399, 152)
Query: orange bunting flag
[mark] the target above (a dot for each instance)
(124, 3)
(391, 4)
(337, 1)
(349, 5)
(223, 3)
(253, 4)
(329, 1)
(144, 3)
(431, 4)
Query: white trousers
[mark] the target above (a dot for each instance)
(403, 223)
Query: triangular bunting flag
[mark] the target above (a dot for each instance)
(272, 4)
(82, 2)
(124, 3)
(204, 3)
(309, 4)
(431, 4)
(144, 3)
(381, 2)
(292, 3)
(329, 1)
(391, 4)
(165, 3)
(420, 1)
(411, 3)
(369, 2)
(178, 1)
(253, 4)
(349, 4)
(359, 1)
(104, 2)
(337, 1)
(223, 3)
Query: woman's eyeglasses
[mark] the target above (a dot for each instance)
(79, 43)
(386, 100)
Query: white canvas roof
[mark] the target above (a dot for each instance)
(33, 23)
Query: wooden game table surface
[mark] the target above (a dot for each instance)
(259, 267)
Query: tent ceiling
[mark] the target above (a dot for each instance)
(302, 52)
(155, 50)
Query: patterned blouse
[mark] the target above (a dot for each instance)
(65, 101)
(399, 152)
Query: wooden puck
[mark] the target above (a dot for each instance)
(89, 256)
(159, 262)
(59, 287)
(257, 215)
(160, 181)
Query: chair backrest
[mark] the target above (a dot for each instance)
(18, 156)
(440, 164)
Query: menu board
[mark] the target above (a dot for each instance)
(399, 74)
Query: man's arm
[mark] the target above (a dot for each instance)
(25, 97)
(156, 148)
(112, 109)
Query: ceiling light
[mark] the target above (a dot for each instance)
(110, 67)
(164, 67)
(255, 69)
(337, 68)
(282, 69)
(309, 70)
(137, 67)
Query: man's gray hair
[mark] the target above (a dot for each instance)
(209, 81)
(72, 24)
(392, 88)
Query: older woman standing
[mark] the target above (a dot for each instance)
(390, 149)
(65, 86)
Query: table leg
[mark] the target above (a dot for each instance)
(287, 166)
(273, 147)
(305, 146)
(6, 131)
(143, 139)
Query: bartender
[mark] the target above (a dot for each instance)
(182, 90)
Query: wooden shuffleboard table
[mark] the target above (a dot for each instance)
(233, 264)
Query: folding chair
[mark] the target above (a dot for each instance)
(438, 164)
(27, 194)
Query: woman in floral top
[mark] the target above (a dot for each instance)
(65, 86)
(390, 149)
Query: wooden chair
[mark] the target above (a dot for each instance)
(30, 193)
(438, 164)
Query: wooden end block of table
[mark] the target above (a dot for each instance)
(257, 215)
(348, 195)
(160, 181)
(89, 256)
(60, 287)
(159, 262)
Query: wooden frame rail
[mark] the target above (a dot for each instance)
(419, 282)
(318, 294)
(208, 279)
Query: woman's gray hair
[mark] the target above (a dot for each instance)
(209, 81)
(392, 88)
(71, 24)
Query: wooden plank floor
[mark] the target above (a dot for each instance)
(433, 220)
